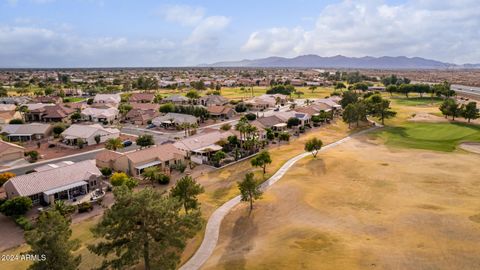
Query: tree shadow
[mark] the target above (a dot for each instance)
(241, 242)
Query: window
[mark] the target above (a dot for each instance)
(35, 198)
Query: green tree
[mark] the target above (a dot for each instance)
(75, 116)
(450, 107)
(113, 144)
(217, 157)
(145, 140)
(339, 85)
(313, 145)
(16, 122)
(350, 114)
(293, 122)
(58, 129)
(146, 226)
(192, 94)
(151, 174)
(166, 108)
(97, 138)
(249, 190)
(186, 191)
(380, 107)
(471, 111)
(3, 91)
(16, 206)
(64, 209)
(262, 160)
(348, 97)
(121, 179)
(51, 238)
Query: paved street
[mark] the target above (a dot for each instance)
(466, 89)
(75, 158)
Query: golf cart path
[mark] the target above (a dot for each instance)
(213, 225)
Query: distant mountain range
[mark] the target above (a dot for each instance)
(340, 61)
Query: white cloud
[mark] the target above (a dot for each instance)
(442, 29)
(183, 14)
(30, 46)
(208, 29)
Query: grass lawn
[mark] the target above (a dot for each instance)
(73, 99)
(236, 93)
(417, 101)
(431, 136)
(80, 231)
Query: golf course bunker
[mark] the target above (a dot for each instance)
(471, 147)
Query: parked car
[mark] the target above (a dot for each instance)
(127, 143)
(150, 126)
(276, 109)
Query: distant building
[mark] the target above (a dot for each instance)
(87, 134)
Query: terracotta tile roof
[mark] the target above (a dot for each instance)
(107, 155)
(162, 152)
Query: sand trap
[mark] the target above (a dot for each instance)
(471, 147)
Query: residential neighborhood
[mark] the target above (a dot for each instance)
(218, 135)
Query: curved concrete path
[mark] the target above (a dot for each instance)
(213, 225)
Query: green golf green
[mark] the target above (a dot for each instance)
(431, 136)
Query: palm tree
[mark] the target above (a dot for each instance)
(151, 174)
(113, 144)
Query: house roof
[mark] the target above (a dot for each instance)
(176, 98)
(86, 131)
(38, 182)
(107, 98)
(142, 96)
(26, 129)
(162, 152)
(219, 109)
(4, 146)
(202, 140)
(107, 155)
(7, 107)
(57, 111)
(269, 121)
(145, 106)
(96, 112)
(214, 99)
(177, 118)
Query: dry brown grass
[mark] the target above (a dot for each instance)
(361, 206)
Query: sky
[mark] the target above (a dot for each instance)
(135, 33)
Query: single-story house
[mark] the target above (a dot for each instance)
(63, 183)
(267, 101)
(176, 99)
(141, 117)
(268, 122)
(112, 99)
(303, 117)
(14, 100)
(213, 100)
(201, 146)
(27, 132)
(99, 115)
(10, 152)
(142, 97)
(48, 113)
(133, 163)
(174, 119)
(221, 111)
(48, 99)
(87, 133)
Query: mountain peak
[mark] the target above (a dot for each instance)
(341, 61)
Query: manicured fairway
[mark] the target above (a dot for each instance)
(431, 136)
